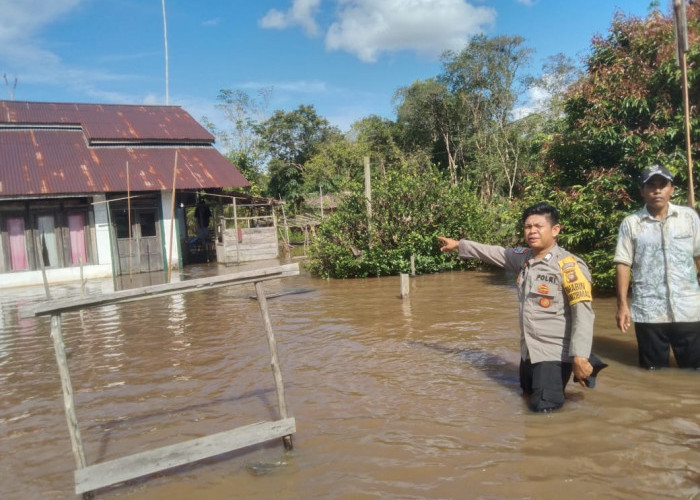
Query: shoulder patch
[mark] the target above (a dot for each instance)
(520, 250)
(576, 286)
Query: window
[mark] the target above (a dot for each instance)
(45, 235)
(18, 244)
(47, 241)
(76, 231)
(121, 221)
(148, 224)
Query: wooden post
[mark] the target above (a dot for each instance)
(68, 402)
(82, 276)
(681, 26)
(274, 362)
(368, 192)
(413, 265)
(128, 215)
(404, 285)
(113, 248)
(172, 220)
(287, 244)
(320, 199)
(235, 229)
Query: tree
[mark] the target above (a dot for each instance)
(291, 139)
(336, 166)
(627, 112)
(242, 143)
(379, 138)
(429, 114)
(485, 80)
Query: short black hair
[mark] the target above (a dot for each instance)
(542, 208)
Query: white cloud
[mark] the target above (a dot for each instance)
(20, 20)
(24, 54)
(302, 13)
(527, 3)
(296, 86)
(21, 49)
(368, 28)
(535, 100)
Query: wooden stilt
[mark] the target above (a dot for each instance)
(404, 285)
(274, 362)
(68, 402)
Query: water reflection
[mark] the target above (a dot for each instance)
(394, 398)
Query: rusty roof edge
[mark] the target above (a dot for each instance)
(42, 126)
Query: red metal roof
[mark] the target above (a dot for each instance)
(54, 148)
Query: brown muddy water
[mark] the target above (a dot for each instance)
(414, 398)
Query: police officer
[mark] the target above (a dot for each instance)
(556, 317)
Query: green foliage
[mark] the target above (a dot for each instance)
(408, 214)
(291, 139)
(458, 161)
(625, 114)
(335, 166)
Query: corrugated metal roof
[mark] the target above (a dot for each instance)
(38, 160)
(110, 121)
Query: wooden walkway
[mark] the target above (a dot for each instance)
(89, 478)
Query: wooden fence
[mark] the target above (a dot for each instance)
(89, 478)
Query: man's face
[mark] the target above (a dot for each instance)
(657, 192)
(540, 234)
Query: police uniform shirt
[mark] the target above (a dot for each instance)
(556, 316)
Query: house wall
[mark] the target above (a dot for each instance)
(55, 276)
(102, 238)
(60, 233)
(166, 208)
(98, 240)
(247, 244)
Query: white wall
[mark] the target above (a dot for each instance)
(55, 276)
(166, 202)
(104, 254)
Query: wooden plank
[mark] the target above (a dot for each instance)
(77, 303)
(274, 357)
(68, 401)
(104, 474)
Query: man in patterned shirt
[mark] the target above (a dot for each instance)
(556, 317)
(658, 250)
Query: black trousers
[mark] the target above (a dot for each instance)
(654, 340)
(544, 382)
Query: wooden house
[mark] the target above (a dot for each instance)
(99, 189)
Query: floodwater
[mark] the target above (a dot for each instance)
(414, 398)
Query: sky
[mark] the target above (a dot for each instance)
(347, 58)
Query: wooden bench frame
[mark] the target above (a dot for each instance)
(89, 478)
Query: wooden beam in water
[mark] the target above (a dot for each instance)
(74, 304)
(274, 358)
(123, 469)
(67, 388)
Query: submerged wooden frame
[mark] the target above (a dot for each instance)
(89, 478)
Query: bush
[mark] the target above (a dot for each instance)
(409, 212)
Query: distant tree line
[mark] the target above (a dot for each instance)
(463, 159)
